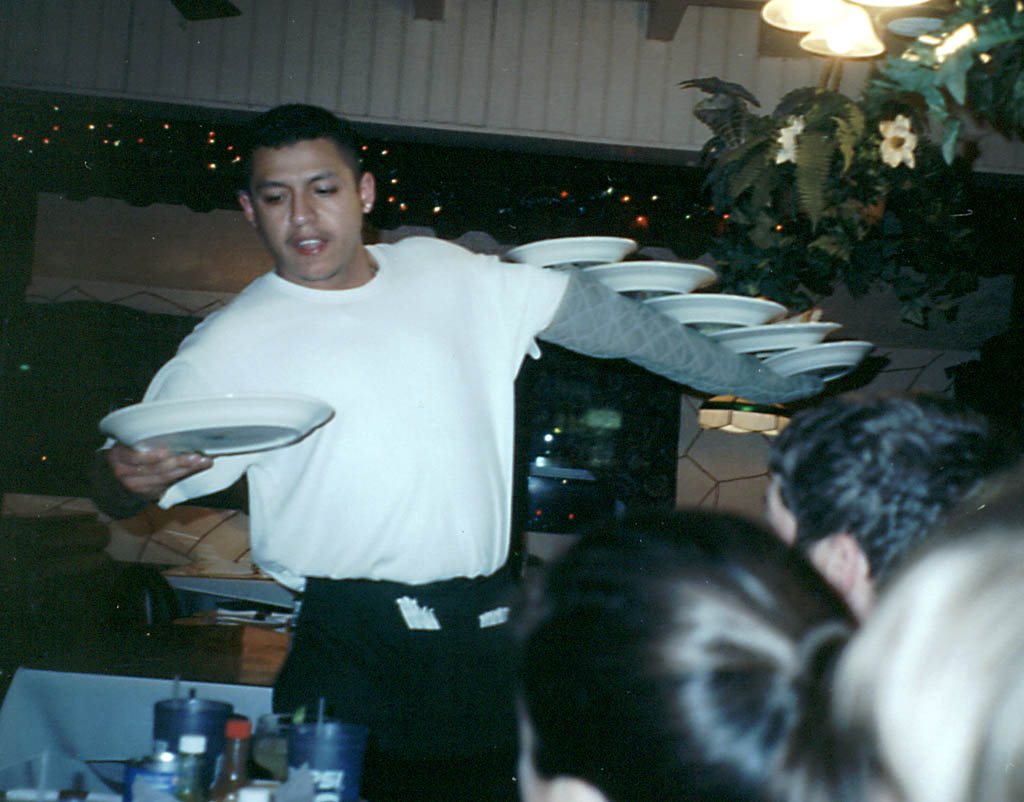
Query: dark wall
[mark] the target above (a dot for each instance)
(68, 365)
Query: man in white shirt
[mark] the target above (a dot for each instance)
(393, 518)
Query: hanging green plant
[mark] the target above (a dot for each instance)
(973, 62)
(823, 192)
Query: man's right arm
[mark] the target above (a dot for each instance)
(124, 481)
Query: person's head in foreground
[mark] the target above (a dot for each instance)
(857, 482)
(931, 690)
(680, 657)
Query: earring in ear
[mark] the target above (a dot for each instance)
(367, 207)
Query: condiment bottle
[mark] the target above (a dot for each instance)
(234, 765)
(190, 786)
(254, 793)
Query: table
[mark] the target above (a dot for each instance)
(75, 717)
(262, 590)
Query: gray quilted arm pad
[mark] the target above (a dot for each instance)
(598, 321)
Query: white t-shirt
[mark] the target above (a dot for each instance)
(411, 480)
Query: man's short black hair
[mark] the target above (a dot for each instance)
(884, 470)
(298, 122)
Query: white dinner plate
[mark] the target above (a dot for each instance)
(652, 276)
(710, 312)
(912, 27)
(227, 424)
(827, 360)
(575, 251)
(773, 337)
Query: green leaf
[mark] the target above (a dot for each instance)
(815, 150)
(739, 151)
(716, 86)
(950, 136)
(832, 245)
(753, 171)
(763, 234)
(849, 130)
(954, 75)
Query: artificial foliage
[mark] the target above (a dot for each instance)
(972, 65)
(826, 190)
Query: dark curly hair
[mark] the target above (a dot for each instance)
(884, 470)
(297, 122)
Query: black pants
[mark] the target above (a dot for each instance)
(439, 702)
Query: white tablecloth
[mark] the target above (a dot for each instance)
(79, 717)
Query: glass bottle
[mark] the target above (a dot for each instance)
(234, 764)
(190, 786)
(254, 793)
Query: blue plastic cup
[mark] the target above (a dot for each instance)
(333, 752)
(173, 718)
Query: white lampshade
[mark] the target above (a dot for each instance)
(891, 3)
(849, 34)
(800, 15)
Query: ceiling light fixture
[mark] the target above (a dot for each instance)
(847, 34)
(799, 15)
(731, 414)
(891, 3)
(834, 28)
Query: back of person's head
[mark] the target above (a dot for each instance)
(679, 657)
(930, 693)
(298, 122)
(882, 470)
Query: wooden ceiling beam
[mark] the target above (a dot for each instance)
(428, 9)
(664, 16)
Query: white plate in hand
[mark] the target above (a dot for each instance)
(709, 312)
(827, 360)
(681, 277)
(228, 424)
(572, 251)
(773, 337)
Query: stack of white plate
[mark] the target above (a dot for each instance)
(740, 323)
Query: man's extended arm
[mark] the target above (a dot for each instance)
(595, 320)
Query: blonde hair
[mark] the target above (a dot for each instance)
(935, 679)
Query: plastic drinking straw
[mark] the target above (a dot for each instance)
(176, 687)
(319, 715)
(44, 763)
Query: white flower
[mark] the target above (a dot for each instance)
(787, 140)
(898, 142)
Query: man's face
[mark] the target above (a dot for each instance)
(308, 206)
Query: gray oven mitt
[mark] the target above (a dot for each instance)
(595, 320)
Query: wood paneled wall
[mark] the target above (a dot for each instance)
(578, 70)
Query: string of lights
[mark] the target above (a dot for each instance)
(515, 196)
